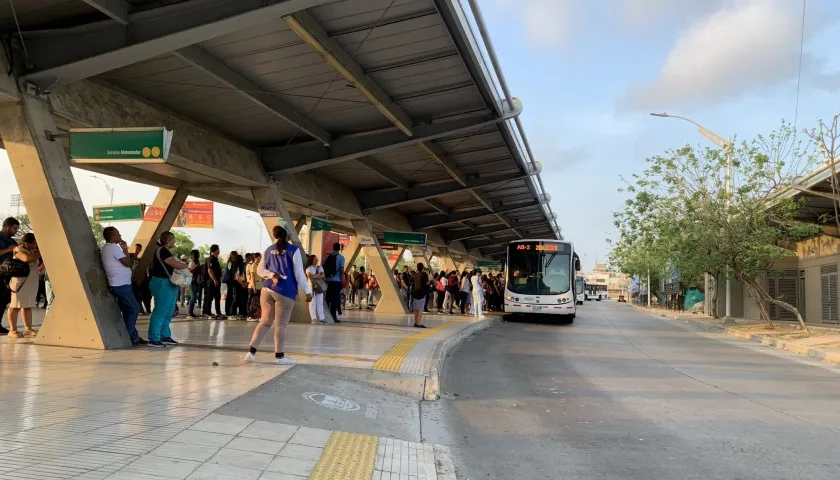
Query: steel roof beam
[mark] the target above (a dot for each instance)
(117, 10)
(311, 155)
(388, 198)
(385, 172)
(250, 90)
(438, 220)
(471, 244)
(68, 55)
(437, 206)
(455, 235)
(314, 35)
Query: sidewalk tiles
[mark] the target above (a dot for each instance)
(145, 414)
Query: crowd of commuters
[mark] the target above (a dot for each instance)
(470, 292)
(259, 288)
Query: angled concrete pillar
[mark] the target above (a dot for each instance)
(351, 253)
(172, 201)
(395, 262)
(85, 313)
(448, 263)
(392, 300)
(271, 207)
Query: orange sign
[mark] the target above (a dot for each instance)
(192, 215)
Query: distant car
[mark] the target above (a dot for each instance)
(621, 298)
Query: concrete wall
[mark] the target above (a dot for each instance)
(813, 254)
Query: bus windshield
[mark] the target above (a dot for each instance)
(538, 268)
(580, 285)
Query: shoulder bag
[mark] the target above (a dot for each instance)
(180, 278)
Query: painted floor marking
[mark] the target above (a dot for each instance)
(347, 456)
(393, 359)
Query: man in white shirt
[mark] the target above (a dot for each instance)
(117, 264)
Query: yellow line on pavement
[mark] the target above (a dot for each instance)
(347, 456)
(393, 359)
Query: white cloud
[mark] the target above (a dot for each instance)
(747, 44)
(545, 22)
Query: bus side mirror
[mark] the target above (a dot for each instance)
(577, 265)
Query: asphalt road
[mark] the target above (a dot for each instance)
(621, 394)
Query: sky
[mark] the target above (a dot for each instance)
(589, 72)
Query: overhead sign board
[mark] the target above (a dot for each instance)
(118, 213)
(319, 225)
(120, 145)
(405, 238)
(192, 215)
(268, 210)
(491, 264)
(366, 241)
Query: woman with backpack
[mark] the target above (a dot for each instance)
(316, 277)
(440, 286)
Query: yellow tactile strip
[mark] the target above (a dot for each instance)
(347, 456)
(393, 359)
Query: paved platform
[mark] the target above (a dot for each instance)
(147, 414)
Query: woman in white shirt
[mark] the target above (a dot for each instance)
(477, 294)
(314, 272)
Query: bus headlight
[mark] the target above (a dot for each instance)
(509, 297)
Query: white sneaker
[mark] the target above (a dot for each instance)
(250, 358)
(284, 361)
(315, 322)
(253, 319)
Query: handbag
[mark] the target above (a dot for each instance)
(14, 267)
(319, 285)
(180, 278)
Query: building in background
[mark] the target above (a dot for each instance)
(617, 283)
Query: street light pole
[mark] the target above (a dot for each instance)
(726, 145)
(110, 190)
(260, 228)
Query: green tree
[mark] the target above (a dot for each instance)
(682, 201)
(97, 231)
(183, 244)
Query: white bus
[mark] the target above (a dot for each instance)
(541, 278)
(580, 289)
(596, 291)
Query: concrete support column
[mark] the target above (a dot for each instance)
(354, 249)
(392, 300)
(270, 197)
(395, 262)
(172, 201)
(85, 313)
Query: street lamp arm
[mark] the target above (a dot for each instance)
(717, 140)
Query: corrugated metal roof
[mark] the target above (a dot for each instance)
(418, 53)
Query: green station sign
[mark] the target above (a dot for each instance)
(405, 238)
(120, 145)
(318, 224)
(491, 264)
(119, 213)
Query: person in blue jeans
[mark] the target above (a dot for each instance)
(164, 292)
(117, 264)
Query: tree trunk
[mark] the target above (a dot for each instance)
(713, 295)
(790, 308)
(756, 294)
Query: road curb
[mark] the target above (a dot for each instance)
(443, 463)
(435, 364)
(779, 344)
